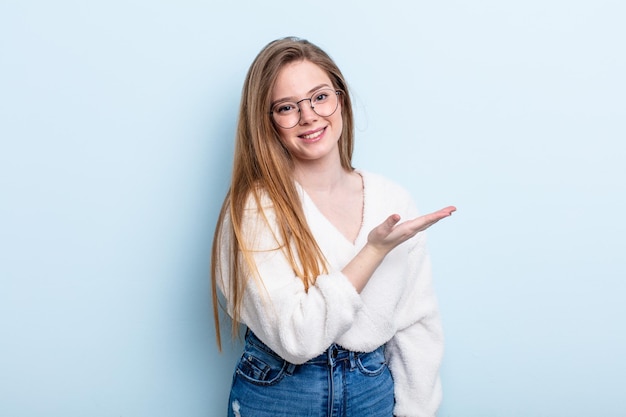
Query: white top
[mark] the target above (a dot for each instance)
(397, 307)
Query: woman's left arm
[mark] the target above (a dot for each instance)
(415, 352)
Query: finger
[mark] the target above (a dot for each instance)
(440, 214)
(385, 228)
(390, 222)
(427, 220)
(449, 210)
(393, 219)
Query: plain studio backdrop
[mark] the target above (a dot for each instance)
(116, 125)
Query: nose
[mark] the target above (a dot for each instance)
(307, 114)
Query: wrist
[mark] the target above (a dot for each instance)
(374, 252)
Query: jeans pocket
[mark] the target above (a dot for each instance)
(260, 367)
(372, 363)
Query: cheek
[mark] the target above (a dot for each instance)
(338, 121)
(283, 135)
(339, 112)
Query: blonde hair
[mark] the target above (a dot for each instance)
(262, 164)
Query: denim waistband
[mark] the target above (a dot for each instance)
(334, 353)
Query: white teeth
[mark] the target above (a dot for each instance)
(312, 135)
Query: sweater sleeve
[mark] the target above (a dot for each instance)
(415, 352)
(296, 324)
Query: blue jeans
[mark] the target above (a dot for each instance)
(337, 383)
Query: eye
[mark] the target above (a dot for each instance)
(285, 108)
(320, 97)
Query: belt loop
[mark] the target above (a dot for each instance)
(290, 368)
(353, 356)
(331, 355)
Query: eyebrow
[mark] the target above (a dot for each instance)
(311, 91)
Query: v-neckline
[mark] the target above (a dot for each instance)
(329, 224)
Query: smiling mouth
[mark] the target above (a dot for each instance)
(313, 135)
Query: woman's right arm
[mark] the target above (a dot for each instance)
(299, 324)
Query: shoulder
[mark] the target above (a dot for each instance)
(384, 197)
(258, 228)
(258, 199)
(384, 190)
(378, 180)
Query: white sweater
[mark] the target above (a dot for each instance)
(397, 307)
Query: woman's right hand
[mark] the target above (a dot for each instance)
(390, 233)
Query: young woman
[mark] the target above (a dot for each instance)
(313, 258)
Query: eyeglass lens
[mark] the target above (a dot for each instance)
(287, 114)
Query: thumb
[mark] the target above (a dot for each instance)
(390, 222)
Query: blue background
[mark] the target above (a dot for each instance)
(116, 125)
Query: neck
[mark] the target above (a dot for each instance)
(317, 176)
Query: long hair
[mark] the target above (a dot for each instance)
(263, 164)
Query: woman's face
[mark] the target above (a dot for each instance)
(314, 138)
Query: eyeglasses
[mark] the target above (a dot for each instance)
(323, 102)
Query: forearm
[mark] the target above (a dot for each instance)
(299, 324)
(361, 268)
